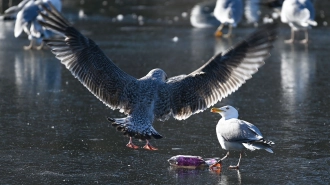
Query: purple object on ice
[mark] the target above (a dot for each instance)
(186, 160)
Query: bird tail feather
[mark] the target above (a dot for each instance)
(312, 22)
(258, 145)
(128, 128)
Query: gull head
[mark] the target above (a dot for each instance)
(158, 74)
(227, 112)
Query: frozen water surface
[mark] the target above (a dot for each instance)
(53, 131)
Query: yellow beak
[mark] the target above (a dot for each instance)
(216, 110)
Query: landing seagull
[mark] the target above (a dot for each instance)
(155, 96)
(236, 134)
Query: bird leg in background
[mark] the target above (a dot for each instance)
(239, 160)
(41, 46)
(30, 46)
(304, 41)
(230, 30)
(149, 147)
(218, 32)
(131, 145)
(291, 39)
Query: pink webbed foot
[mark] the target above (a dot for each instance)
(149, 147)
(131, 145)
(216, 166)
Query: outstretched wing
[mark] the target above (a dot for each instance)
(87, 62)
(221, 75)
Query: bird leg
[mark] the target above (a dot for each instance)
(230, 30)
(237, 166)
(218, 32)
(218, 163)
(225, 156)
(292, 37)
(149, 147)
(30, 46)
(41, 46)
(131, 145)
(305, 41)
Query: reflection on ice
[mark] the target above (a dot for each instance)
(205, 176)
(221, 45)
(224, 179)
(33, 74)
(6, 29)
(297, 73)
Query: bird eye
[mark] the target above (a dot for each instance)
(227, 108)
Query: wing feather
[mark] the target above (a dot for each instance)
(87, 62)
(221, 75)
(236, 130)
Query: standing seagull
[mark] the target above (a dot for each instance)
(228, 12)
(27, 21)
(299, 14)
(236, 134)
(155, 96)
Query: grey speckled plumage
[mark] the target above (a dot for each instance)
(154, 96)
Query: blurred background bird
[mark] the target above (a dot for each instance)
(201, 15)
(27, 21)
(299, 14)
(228, 12)
(11, 12)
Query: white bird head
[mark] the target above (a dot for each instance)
(227, 112)
(158, 74)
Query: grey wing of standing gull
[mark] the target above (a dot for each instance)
(88, 63)
(221, 75)
(236, 130)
